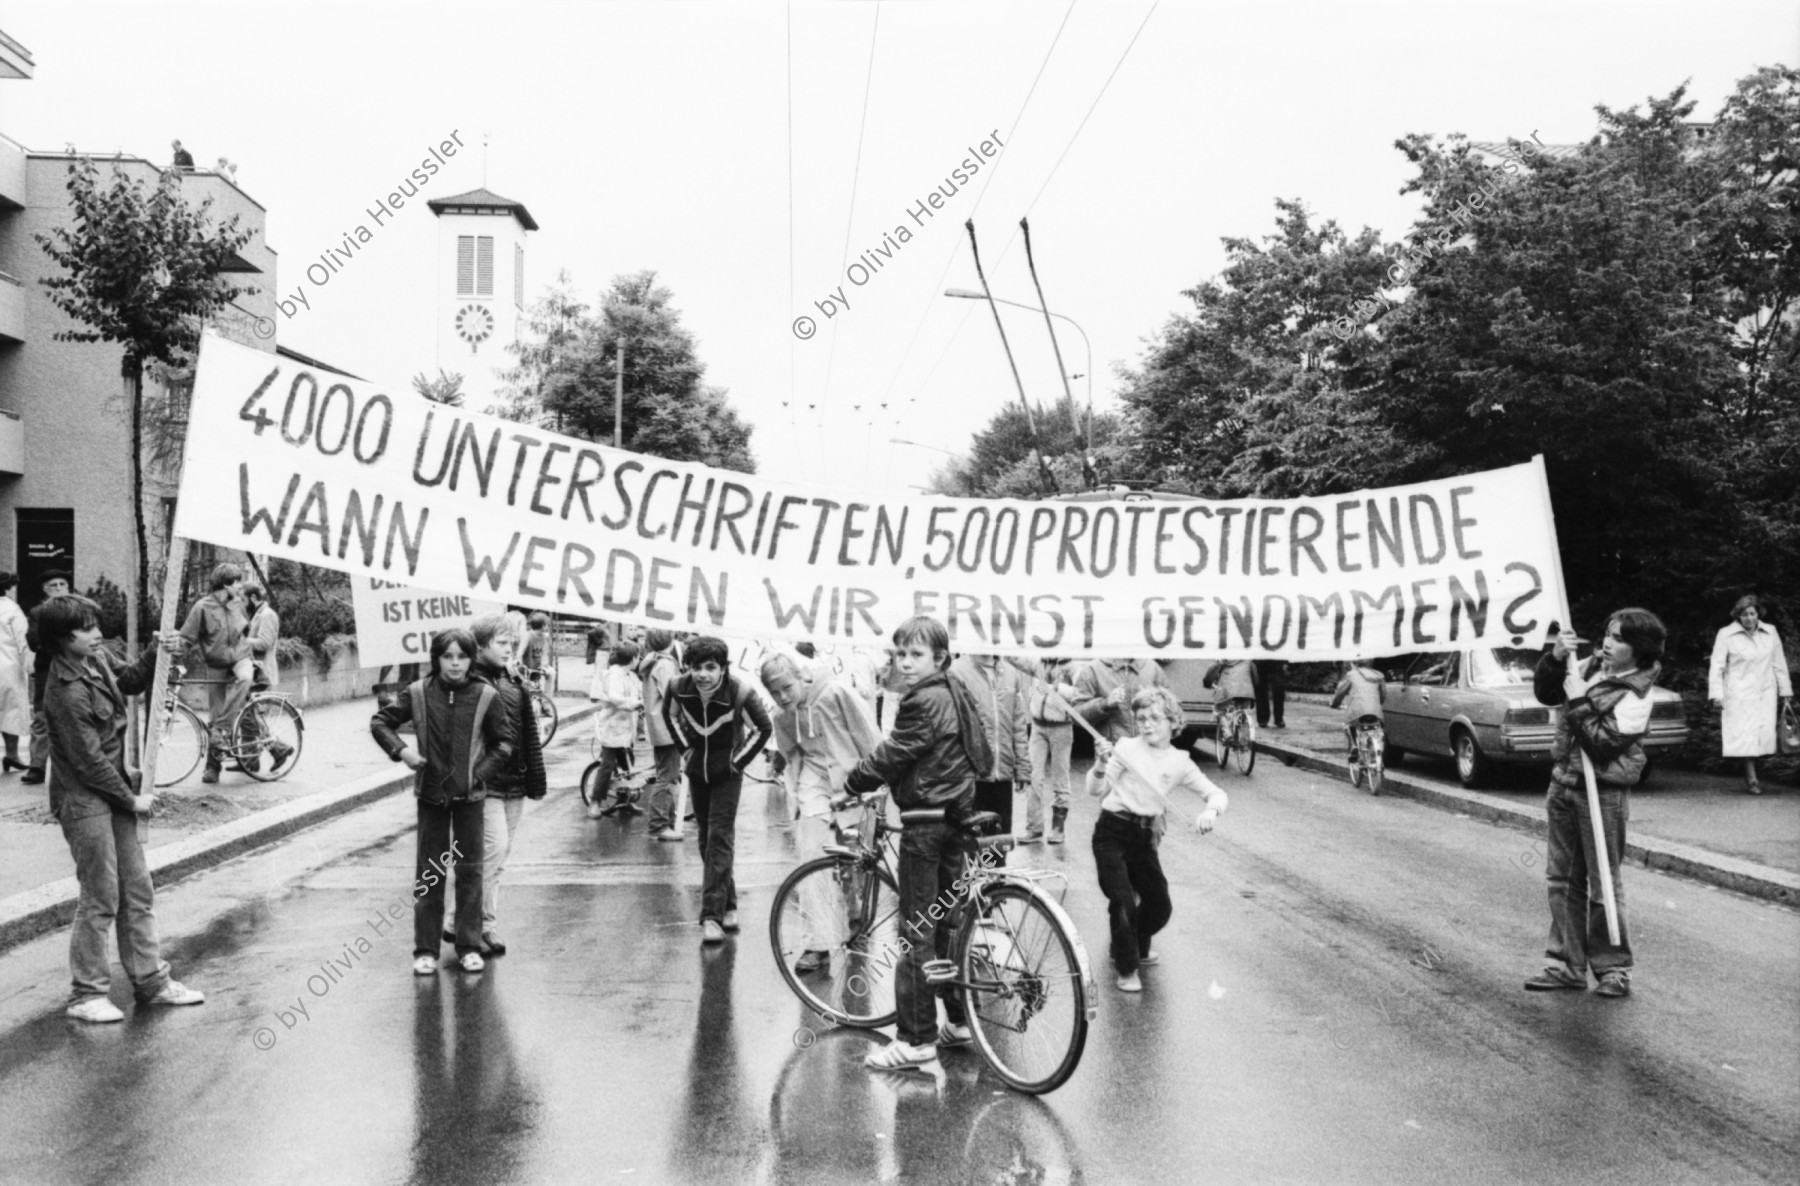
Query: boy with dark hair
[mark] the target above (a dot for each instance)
(938, 746)
(721, 722)
(218, 629)
(54, 583)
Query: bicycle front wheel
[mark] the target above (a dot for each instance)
(1223, 733)
(1244, 744)
(270, 734)
(843, 918)
(181, 746)
(544, 709)
(1026, 989)
(1374, 766)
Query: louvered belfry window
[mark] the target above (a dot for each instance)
(465, 265)
(484, 265)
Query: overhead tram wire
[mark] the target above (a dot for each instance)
(850, 219)
(1040, 193)
(981, 193)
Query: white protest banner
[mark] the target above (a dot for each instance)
(311, 466)
(394, 622)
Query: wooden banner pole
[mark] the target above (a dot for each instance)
(159, 709)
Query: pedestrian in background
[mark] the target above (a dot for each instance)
(721, 723)
(463, 739)
(1003, 694)
(1052, 741)
(218, 629)
(1606, 712)
(620, 695)
(657, 670)
(15, 673)
(97, 800)
(54, 583)
(1104, 689)
(520, 779)
(1271, 692)
(1232, 680)
(1749, 682)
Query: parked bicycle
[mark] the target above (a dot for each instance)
(1368, 743)
(266, 735)
(1235, 737)
(1016, 957)
(537, 687)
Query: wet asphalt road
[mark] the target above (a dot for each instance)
(1338, 1001)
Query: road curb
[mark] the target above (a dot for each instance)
(1667, 856)
(48, 907)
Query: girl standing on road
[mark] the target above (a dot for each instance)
(464, 739)
(621, 696)
(1125, 836)
(1749, 680)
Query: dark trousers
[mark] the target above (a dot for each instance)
(1137, 893)
(715, 813)
(931, 859)
(459, 824)
(996, 797)
(1271, 691)
(614, 760)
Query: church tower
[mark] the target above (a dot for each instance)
(481, 288)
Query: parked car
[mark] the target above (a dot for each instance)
(1477, 707)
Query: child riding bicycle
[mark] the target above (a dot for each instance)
(1362, 693)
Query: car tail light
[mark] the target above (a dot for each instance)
(1527, 716)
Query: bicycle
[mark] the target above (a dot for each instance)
(1368, 746)
(543, 707)
(1235, 734)
(1017, 958)
(267, 735)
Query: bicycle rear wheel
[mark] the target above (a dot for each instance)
(1223, 731)
(181, 746)
(850, 911)
(268, 736)
(1027, 996)
(1373, 761)
(1244, 745)
(544, 709)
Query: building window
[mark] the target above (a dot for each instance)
(465, 265)
(484, 266)
(518, 276)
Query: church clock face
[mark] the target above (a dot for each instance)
(473, 325)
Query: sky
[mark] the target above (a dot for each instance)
(747, 152)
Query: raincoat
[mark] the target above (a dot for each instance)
(1749, 675)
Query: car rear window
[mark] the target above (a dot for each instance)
(1499, 667)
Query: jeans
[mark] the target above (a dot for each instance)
(931, 859)
(614, 761)
(1050, 746)
(715, 812)
(664, 785)
(1137, 893)
(224, 700)
(437, 824)
(499, 828)
(115, 889)
(996, 797)
(40, 737)
(1577, 907)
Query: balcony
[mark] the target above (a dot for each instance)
(12, 174)
(12, 309)
(12, 443)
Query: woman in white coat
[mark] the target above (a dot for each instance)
(15, 672)
(1749, 678)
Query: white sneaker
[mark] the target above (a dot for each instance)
(471, 961)
(711, 932)
(424, 965)
(1131, 983)
(951, 1034)
(96, 1009)
(899, 1056)
(596, 811)
(175, 993)
(668, 834)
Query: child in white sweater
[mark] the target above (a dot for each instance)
(1135, 776)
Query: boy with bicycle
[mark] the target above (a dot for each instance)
(931, 759)
(1362, 694)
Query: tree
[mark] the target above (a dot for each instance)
(555, 322)
(667, 410)
(445, 389)
(143, 270)
(1002, 463)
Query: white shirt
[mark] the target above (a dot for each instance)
(1170, 767)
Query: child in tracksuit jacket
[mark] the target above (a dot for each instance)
(721, 722)
(464, 738)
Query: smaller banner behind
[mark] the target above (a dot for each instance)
(395, 623)
(311, 466)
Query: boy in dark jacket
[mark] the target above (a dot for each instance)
(464, 739)
(931, 759)
(1605, 713)
(721, 722)
(522, 778)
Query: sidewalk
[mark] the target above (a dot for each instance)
(196, 826)
(1699, 825)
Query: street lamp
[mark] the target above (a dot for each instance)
(968, 294)
(968, 478)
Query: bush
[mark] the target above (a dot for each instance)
(113, 607)
(314, 621)
(290, 651)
